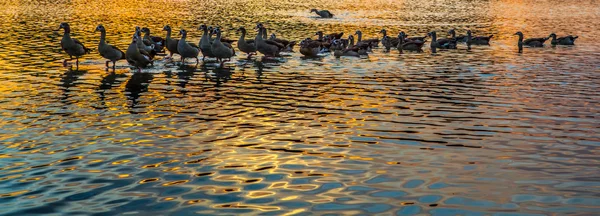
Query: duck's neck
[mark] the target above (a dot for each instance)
(359, 34)
(218, 38)
(351, 41)
(147, 35)
(433, 37)
(102, 37)
(169, 34)
(183, 36)
(384, 33)
(243, 36)
(264, 34)
(520, 38)
(67, 32)
(320, 36)
(453, 34)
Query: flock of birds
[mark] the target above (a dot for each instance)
(143, 49)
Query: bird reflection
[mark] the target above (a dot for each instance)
(184, 76)
(68, 80)
(107, 82)
(136, 85)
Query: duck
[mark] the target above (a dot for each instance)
(134, 55)
(185, 49)
(410, 45)
(371, 42)
(351, 51)
(531, 42)
(109, 52)
(310, 48)
(205, 44)
(333, 36)
(567, 40)
(158, 42)
(322, 13)
(477, 40)
(460, 38)
(70, 45)
(266, 47)
(221, 50)
(171, 43)
(443, 43)
(247, 46)
(289, 45)
(211, 32)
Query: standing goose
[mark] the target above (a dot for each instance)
(247, 46)
(443, 43)
(70, 45)
(185, 49)
(109, 52)
(205, 43)
(322, 13)
(171, 43)
(134, 56)
(567, 40)
(221, 50)
(415, 45)
(158, 42)
(531, 42)
(266, 47)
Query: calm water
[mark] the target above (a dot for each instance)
(483, 132)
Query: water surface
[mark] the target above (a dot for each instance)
(479, 132)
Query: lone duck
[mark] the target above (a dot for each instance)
(566, 40)
(221, 50)
(158, 42)
(322, 13)
(171, 43)
(266, 47)
(247, 46)
(185, 49)
(70, 45)
(415, 45)
(531, 42)
(109, 52)
(134, 56)
(205, 43)
(444, 43)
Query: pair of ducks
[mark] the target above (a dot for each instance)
(568, 40)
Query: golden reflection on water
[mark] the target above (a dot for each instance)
(460, 132)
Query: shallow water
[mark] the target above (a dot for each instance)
(486, 131)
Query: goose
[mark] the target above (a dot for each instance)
(477, 40)
(443, 43)
(289, 45)
(107, 51)
(371, 42)
(134, 56)
(411, 45)
(310, 48)
(322, 13)
(567, 40)
(185, 49)
(70, 45)
(531, 42)
(158, 42)
(171, 43)
(221, 50)
(266, 47)
(247, 46)
(392, 42)
(205, 43)
(148, 48)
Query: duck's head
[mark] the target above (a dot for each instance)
(431, 34)
(259, 26)
(314, 10)
(182, 32)
(469, 32)
(241, 29)
(273, 36)
(216, 30)
(552, 34)
(383, 31)
(519, 33)
(319, 33)
(167, 28)
(146, 30)
(203, 27)
(63, 25)
(100, 28)
(401, 35)
(452, 31)
(358, 32)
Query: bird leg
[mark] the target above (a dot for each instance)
(197, 60)
(114, 66)
(106, 64)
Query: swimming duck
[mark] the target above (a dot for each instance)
(411, 45)
(247, 46)
(221, 50)
(370, 42)
(70, 45)
(531, 42)
(134, 56)
(171, 43)
(416, 38)
(266, 47)
(158, 42)
(205, 43)
(443, 43)
(185, 49)
(310, 48)
(109, 52)
(322, 13)
(289, 45)
(477, 40)
(567, 40)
